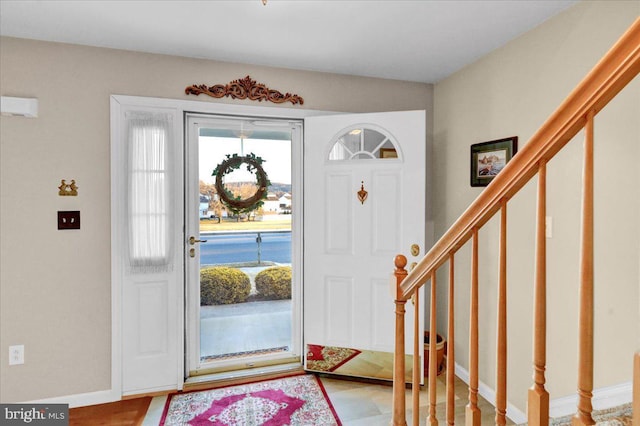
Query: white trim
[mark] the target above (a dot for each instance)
(155, 411)
(219, 108)
(82, 399)
(116, 273)
(485, 391)
(148, 391)
(603, 398)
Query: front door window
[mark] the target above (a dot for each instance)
(245, 287)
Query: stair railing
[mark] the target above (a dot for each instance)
(614, 71)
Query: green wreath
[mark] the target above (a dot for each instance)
(234, 203)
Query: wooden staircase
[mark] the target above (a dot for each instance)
(614, 71)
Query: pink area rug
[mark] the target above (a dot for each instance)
(297, 400)
(328, 358)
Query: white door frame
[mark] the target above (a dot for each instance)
(118, 102)
(192, 346)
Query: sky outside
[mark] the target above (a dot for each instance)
(275, 153)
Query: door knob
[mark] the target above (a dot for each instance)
(415, 249)
(192, 240)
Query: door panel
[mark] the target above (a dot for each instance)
(337, 214)
(386, 227)
(350, 245)
(339, 297)
(383, 322)
(152, 323)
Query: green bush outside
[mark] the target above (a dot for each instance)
(274, 283)
(220, 285)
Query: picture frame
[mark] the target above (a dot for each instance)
(489, 158)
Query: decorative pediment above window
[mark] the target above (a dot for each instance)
(244, 88)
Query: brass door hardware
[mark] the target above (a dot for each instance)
(362, 194)
(192, 240)
(415, 249)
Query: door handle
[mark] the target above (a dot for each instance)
(192, 240)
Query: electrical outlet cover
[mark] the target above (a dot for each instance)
(16, 355)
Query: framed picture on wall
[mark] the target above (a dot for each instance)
(488, 158)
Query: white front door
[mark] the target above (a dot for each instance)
(350, 242)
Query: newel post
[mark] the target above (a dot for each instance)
(399, 409)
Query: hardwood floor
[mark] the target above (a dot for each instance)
(128, 412)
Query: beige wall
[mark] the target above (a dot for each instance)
(511, 92)
(55, 285)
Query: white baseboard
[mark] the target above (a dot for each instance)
(603, 398)
(516, 415)
(82, 399)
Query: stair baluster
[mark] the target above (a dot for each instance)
(451, 366)
(585, 336)
(433, 341)
(473, 411)
(501, 349)
(415, 384)
(538, 410)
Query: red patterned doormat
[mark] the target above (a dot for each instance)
(297, 400)
(328, 358)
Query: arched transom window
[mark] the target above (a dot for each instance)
(363, 143)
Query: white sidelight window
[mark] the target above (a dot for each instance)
(149, 212)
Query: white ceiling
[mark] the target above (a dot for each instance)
(422, 41)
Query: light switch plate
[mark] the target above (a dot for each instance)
(69, 220)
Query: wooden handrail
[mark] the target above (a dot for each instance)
(614, 71)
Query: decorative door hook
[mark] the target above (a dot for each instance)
(68, 188)
(362, 194)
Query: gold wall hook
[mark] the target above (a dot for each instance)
(362, 194)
